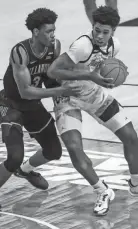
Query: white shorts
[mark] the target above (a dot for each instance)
(65, 123)
(113, 118)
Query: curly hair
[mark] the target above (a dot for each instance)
(39, 17)
(107, 16)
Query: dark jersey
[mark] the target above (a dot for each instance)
(37, 67)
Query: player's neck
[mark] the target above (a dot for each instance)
(37, 48)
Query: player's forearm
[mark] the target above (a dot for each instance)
(111, 3)
(32, 93)
(90, 6)
(64, 74)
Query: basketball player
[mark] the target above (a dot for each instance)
(88, 51)
(27, 167)
(90, 6)
(20, 100)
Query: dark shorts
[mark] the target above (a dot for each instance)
(33, 117)
(34, 121)
(38, 122)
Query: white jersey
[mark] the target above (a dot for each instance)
(84, 53)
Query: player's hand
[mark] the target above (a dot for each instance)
(71, 90)
(100, 80)
(104, 82)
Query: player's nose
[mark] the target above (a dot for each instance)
(53, 35)
(100, 36)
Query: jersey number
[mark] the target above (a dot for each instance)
(36, 81)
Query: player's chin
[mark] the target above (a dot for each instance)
(52, 42)
(48, 44)
(100, 44)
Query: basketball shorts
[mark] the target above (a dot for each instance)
(113, 118)
(40, 125)
(34, 121)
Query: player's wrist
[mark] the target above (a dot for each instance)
(60, 90)
(93, 75)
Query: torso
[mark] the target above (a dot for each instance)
(91, 92)
(37, 65)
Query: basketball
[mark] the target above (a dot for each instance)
(114, 68)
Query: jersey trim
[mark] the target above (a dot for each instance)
(39, 131)
(96, 48)
(22, 45)
(19, 53)
(92, 49)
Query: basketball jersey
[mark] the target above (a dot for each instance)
(84, 53)
(37, 67)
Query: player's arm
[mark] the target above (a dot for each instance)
(23, 79)
(90, 7)
(51, 83)
(64, 67)
(111, 3)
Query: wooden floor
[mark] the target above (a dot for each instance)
(68, 204)
(70, 199)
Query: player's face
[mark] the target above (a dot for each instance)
(102, 33)
(46, 35)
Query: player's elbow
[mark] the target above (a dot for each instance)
(24, 93)
(21, 92)
(52, 72)
(25, 96)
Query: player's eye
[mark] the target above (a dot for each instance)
(97, 31)
(106, 33)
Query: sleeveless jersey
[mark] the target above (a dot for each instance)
(85, 54)
(37, 67)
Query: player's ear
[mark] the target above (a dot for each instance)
(113, 30)
(35, 31)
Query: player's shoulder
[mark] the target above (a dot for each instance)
(23, 43)
(57, 42)
(82, 42)
(57, 47)
(85, 38)
(23, 46)
(116, 41)
(19, 53)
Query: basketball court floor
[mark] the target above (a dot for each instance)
(70, 199)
